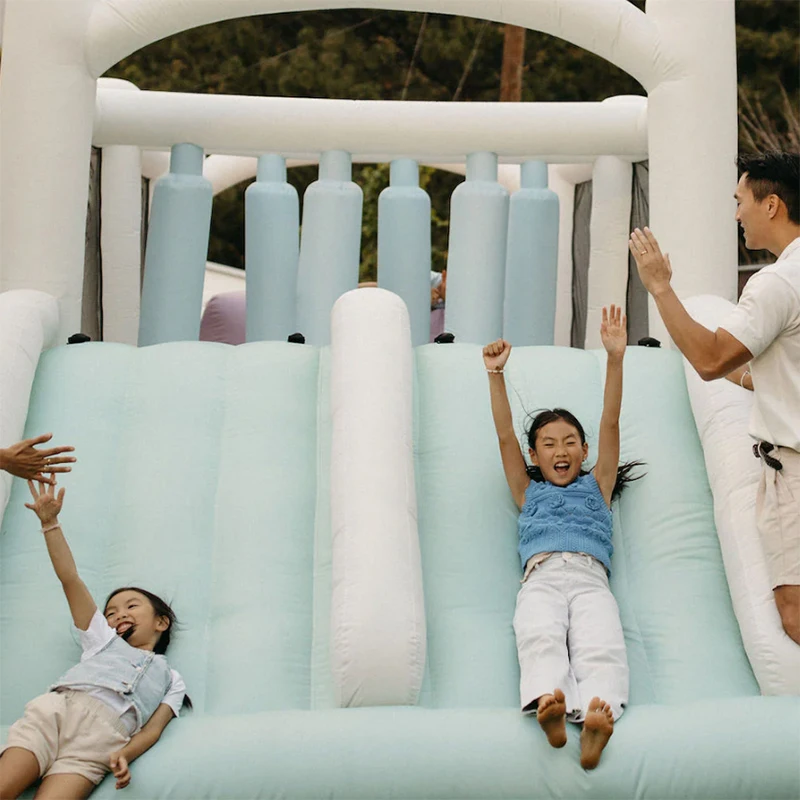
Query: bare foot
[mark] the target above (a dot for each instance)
(597, 729)
(551, 713)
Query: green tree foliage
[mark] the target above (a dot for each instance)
(768, 52)
(386, 55)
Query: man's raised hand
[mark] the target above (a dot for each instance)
(25, 461)
(653, 265)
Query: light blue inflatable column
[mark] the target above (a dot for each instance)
(404, 244)
(477, 253)
(177, 246)
(532, 260)
(330, 245)
(271, 249)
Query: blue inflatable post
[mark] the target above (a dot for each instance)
(404, 244)
(532, 260)
(330, 245)
(477, 253)
(177, 246)
(271, 249)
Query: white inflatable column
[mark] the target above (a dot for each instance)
(48, 96)
(566, 208)
(562, 179)
(612, 179)
(121, 234)
(377, 608)
(28, 325)
(692, 132)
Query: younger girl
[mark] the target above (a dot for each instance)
(571, 650)
(112, 706)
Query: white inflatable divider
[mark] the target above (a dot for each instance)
(378, 637)
(609, 229)
(722, 411)
(121, 234)
(28, 325)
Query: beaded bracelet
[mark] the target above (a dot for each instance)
(495, 371)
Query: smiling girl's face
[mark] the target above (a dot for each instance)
(133, 617)
(558, 452)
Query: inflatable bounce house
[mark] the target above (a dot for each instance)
(330, 520)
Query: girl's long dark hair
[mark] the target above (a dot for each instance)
(161, 609)
(549, 415)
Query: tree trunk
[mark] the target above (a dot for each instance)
(513, 58)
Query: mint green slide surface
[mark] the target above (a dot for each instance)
(203, 475)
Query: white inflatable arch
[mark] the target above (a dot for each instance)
(682, 53)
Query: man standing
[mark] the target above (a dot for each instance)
(764, 332)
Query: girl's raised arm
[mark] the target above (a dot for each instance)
(47, 505)
(495, 356)
(615, 339)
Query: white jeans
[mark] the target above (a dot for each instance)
(569, 636)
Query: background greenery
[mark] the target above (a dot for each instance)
(386, 55)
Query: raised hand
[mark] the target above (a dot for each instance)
(496, 354)
(25, 461)
(613, 331)
(654, 267)
(46, 503)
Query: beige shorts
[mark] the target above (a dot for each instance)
(69, 732)
(778, 517)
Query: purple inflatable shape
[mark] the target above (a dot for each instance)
(224, 319)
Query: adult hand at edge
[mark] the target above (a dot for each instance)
(24, 461)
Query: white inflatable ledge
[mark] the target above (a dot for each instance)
(28, 325)
(722, 412)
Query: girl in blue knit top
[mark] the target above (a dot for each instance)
(571, 649)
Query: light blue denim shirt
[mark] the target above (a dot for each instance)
(140, 676)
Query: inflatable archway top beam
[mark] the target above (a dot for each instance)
(612, 29)
(304, 127)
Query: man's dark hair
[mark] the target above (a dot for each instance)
(774, 172)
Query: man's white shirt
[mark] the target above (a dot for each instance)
(767, 322)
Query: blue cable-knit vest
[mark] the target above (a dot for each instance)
(570, 519)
